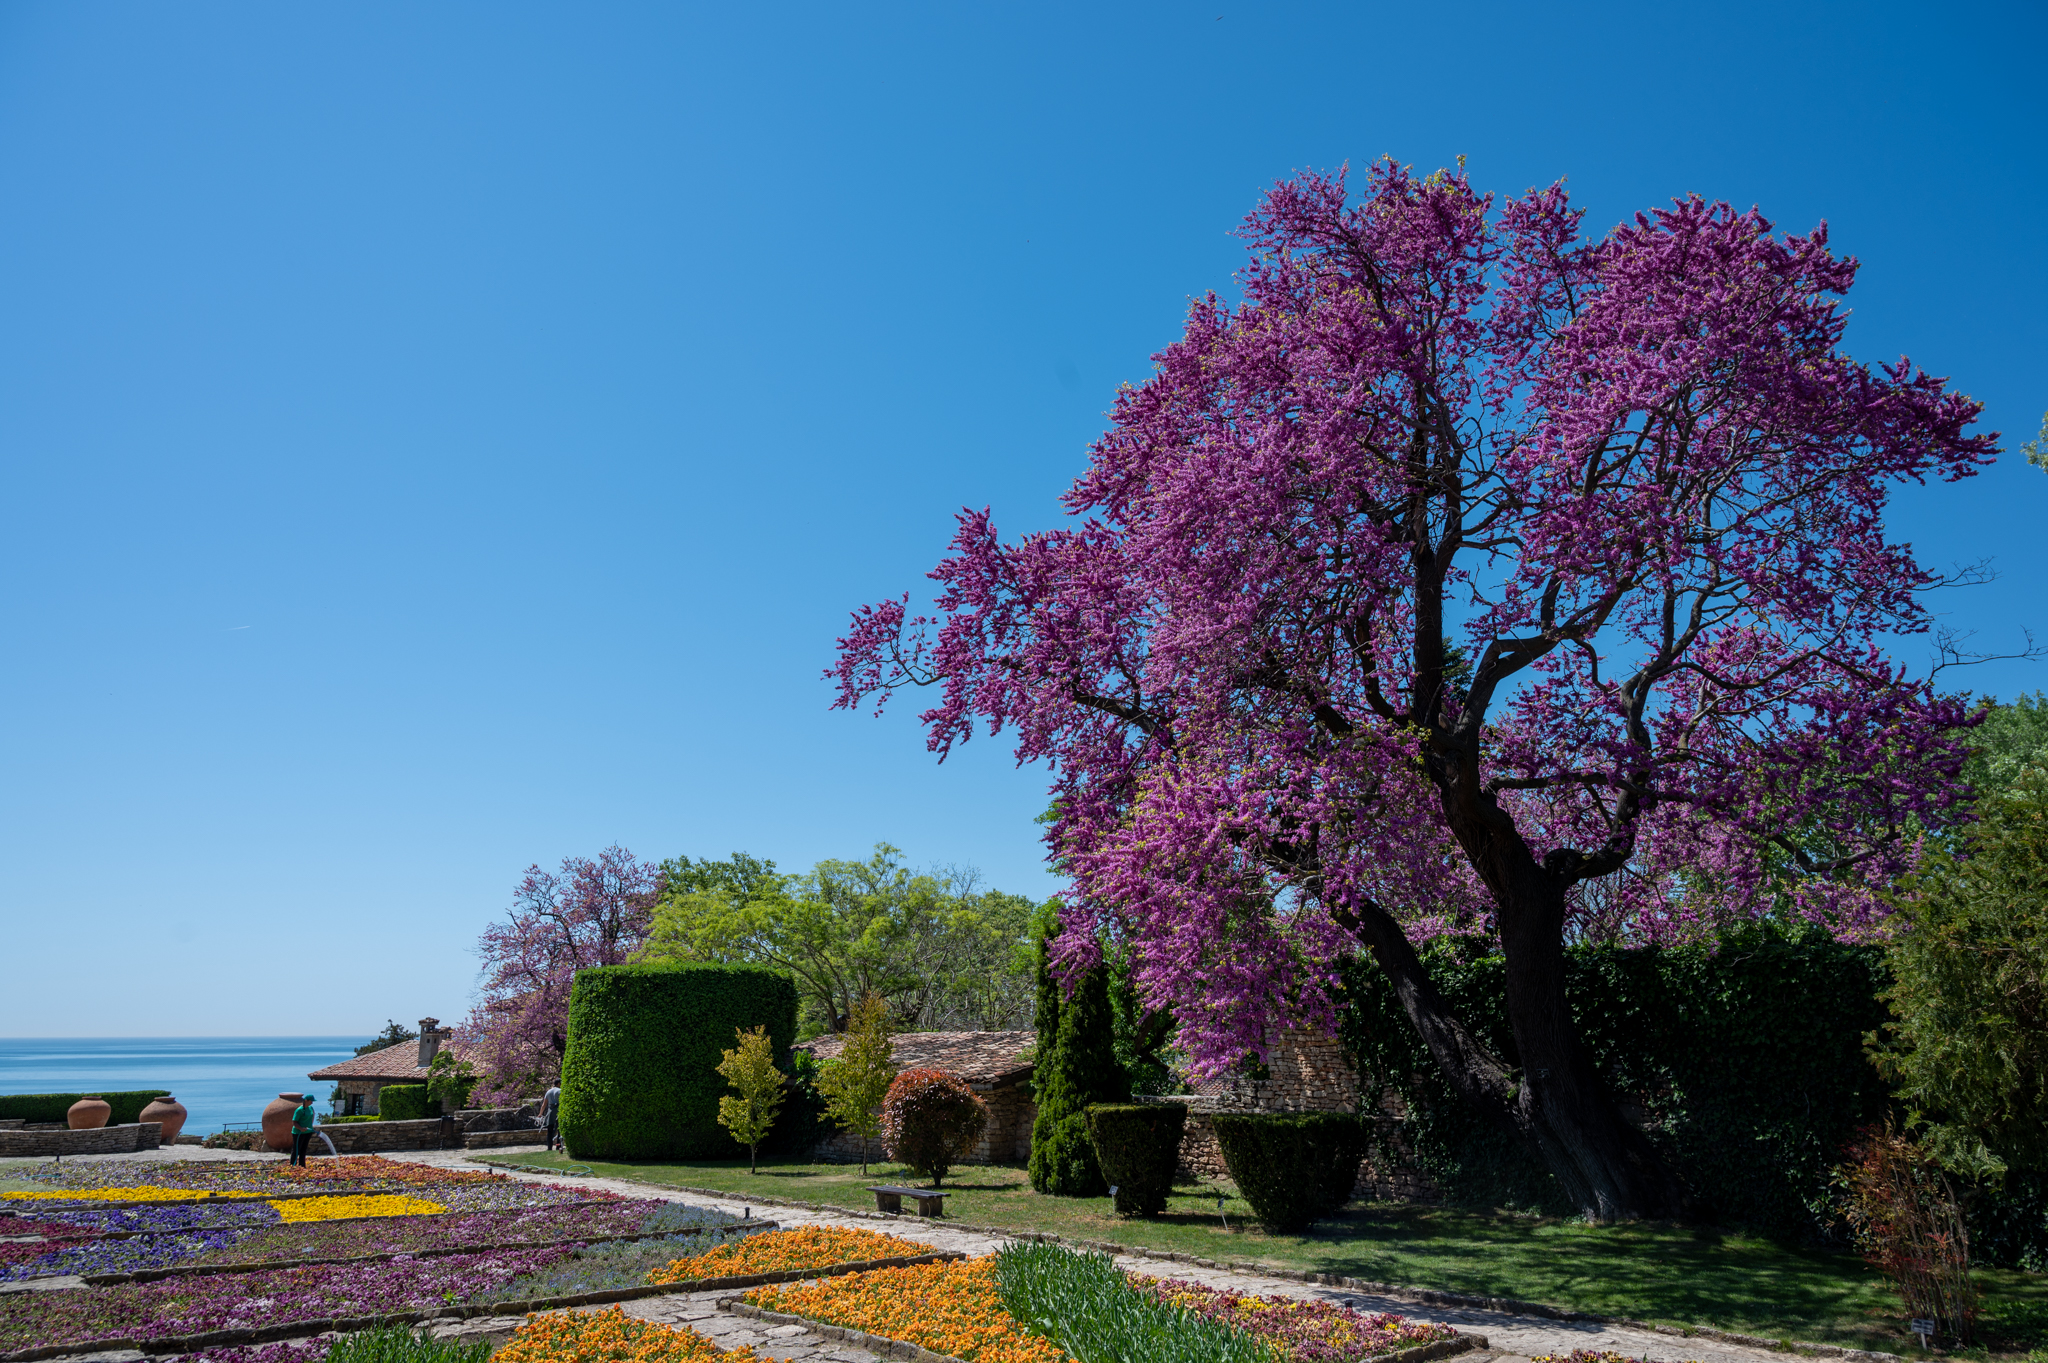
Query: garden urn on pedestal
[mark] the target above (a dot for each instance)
(277, 1122)
(170, 1112)
(88, 1113)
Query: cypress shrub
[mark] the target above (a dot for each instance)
(1137, 1146)
(53, 1107)
(1293, 1167)
(640, 1074)
(405, 1103)
(1081, 1069)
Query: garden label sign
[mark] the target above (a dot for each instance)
(1923, 1328)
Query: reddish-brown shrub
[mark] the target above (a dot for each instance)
(1907, 1224)
(930, 1119)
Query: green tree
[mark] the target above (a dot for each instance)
(1079, 1068)
(450, 1080)
(394, 1034)
(750, 1068)
(2036, 449)
(1969, 1043)
(855, 1081)
(2012, 739)
(942, 952)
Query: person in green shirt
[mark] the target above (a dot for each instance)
(302, 1127)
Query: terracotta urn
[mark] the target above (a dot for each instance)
(277, 1122)
(88, 1113)
(170, 1112)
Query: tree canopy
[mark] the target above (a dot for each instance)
(1468, 572)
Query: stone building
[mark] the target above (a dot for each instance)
(365, 1076)
(996, 1065)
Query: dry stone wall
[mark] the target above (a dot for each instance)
(101, 1140)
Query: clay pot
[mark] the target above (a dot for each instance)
(277, 1122)
(170, 1112)
(89, 1113)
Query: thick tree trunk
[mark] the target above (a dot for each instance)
(1605, 1165)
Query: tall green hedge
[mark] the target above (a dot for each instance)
(1293, 1167)
(52, 1107)
(640, 1076)
(405, 1103)
(1078, 1069)
(1744, 1062)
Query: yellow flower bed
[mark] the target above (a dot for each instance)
(358, 1204)
(609, 1336)
(954, 1309)
(779, 1251)
(140, 1193)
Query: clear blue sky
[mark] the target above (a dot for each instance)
(435, 439)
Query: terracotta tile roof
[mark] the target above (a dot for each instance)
(400, 1062)
(978, 1057)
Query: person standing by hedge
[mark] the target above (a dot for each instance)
(550, 1111)
(302, 1128)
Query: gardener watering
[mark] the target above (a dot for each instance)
(302, 1127)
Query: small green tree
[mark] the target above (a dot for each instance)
(1078, 1069)
(1969, 1046)
(449, 1081)
(855, 1082)
(750, 1068)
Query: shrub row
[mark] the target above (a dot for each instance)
(405, 1103)
(1137, 1146)
(52, 1107)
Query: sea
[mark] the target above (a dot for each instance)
(221, 1080)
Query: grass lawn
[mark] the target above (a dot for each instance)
(1677, 1275)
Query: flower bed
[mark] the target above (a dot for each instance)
(144, 1192)
(1300, 1331)
(954, 1309)
(609, 1336)
(783, 1250)
(606, 1267)
(354, 1205)
(183, 1306)
(367, 1173)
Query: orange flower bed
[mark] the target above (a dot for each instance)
(779, 1251)
(954, 1309)
(610, 1336)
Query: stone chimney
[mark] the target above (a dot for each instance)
(431, 1037)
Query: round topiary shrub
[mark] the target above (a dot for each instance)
(1293, 1167)
(930, 1119)
(1138, 1147)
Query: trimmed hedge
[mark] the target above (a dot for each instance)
(1138, 1147)
(640, 1076)
(405, 1103)
(53, 1107)
(1743, 1061)
(1293, 1167)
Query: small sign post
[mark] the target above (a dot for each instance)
(1925, 1329)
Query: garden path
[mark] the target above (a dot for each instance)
(1514, 1339)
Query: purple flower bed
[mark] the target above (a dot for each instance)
(1301, 1331)
(176, 1216)
(127, 1255)
(183, 1306)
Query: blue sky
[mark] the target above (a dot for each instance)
(438, 439)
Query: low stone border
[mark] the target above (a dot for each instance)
(1506, 1306)
(150, 1275)
(885, 1347)
(300, 1329)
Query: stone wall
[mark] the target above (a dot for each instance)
(102, 1140)
(1006, 1139)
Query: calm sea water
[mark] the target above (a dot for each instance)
(218, 1078)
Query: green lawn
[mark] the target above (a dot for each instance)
(1669, 1274)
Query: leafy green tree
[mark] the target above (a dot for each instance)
(854, 1082)
(943, 953)
(750, 1068)
(1142, 1034)
(2012, 740)
(1969, 1046)
(1079, 1068)
(394, 1033)
(2036, 449)
(450, 1080)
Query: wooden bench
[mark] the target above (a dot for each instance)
(930, 1201)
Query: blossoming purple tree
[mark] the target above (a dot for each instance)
(590, 913)
(1469, 574)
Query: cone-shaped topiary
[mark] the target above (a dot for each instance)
(930, 1119)
(1079, 1068)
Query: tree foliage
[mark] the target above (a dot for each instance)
(854, 1082)
(394, 1034)
(1969, 1043)
(931, 1120)
(1078, 1069)
(1638, 487)
(590, 913)
(943, 952)
(750, 1068)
